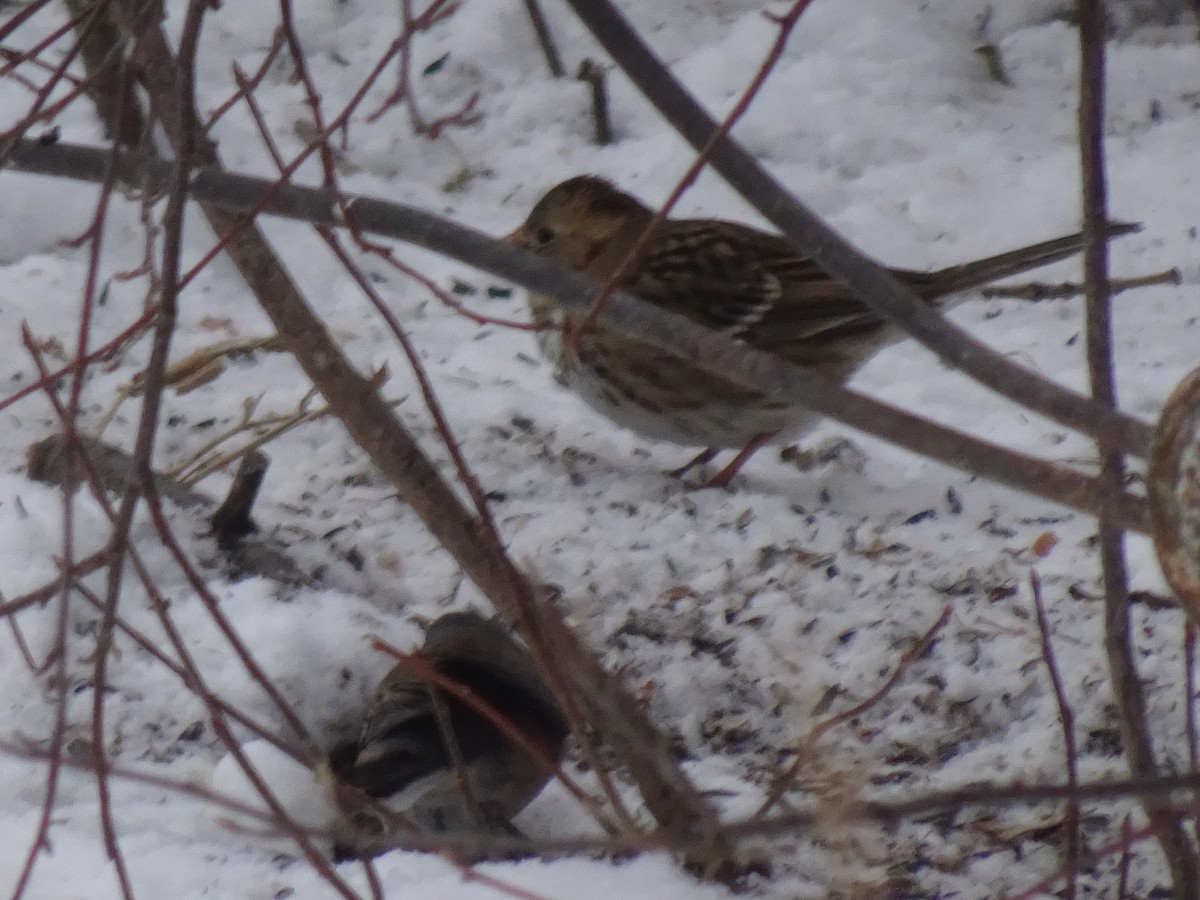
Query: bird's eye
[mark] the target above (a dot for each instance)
(543, 236)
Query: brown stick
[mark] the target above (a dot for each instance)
(231, 522)
(593, 75)
(114, 471)
(1038, 290)
(545, 39)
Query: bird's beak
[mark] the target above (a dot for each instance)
(517, 238)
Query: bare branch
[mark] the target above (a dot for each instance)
(707, 349)
(1127, 687)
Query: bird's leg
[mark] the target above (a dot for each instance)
(722, 478)
(701, 459)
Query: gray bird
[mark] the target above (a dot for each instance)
(402, 755)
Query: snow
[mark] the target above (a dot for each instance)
(745, 617)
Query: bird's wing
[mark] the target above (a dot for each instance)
(397, 747)
(751, 285)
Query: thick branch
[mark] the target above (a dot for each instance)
(712, 351)
(872, 283)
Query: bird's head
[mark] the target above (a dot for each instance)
(581, 222)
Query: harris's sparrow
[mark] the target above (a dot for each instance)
(747, 283)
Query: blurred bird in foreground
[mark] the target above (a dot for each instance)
(442, 763)
(730, 277)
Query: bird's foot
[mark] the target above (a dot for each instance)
(722, 478)
(700, 459)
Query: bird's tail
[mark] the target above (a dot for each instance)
(931, 285)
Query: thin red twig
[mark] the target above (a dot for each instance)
(76, 366)
(915, 652)
(1066, 716)
(786, 23)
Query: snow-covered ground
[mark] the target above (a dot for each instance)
(744, 616)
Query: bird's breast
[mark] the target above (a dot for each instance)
(660, 395)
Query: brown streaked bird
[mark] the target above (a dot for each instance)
(403, 755)
(749, 284)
